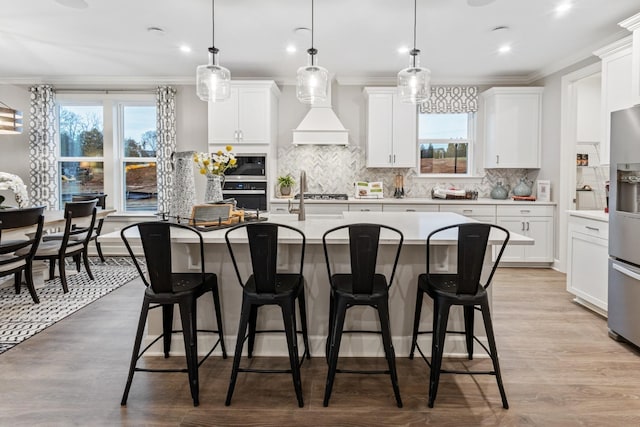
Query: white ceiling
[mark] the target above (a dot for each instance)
(44, 40)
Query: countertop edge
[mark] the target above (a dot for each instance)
(595, 215)
(420, 201)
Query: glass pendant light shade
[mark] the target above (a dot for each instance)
(312, 82)
(213, 82)
(414, 83)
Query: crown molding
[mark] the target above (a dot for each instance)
(118, 81)
(392, 81)
(632, 23)
(581, 55)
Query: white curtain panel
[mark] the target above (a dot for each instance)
(43, 182)
(166, 113)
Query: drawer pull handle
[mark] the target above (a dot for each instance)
(524, 211)
(365, 210)
(410, 210)
(591, 228)
(467, 211)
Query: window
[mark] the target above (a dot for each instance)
(108, 145)
(444, 143)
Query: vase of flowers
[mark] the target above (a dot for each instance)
(213, 166)
(9, 181)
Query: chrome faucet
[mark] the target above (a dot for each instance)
(303, 188)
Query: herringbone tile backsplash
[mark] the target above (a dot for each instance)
(334, 169)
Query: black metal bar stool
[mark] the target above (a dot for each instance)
(265, 286)
(463, 288)
(166, 288)
(361, 286)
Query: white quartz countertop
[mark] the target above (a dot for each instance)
(596, 215)
(415, 227)
(419, 201)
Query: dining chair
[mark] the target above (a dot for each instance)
(16, 255)
(164, 289)
(266, 286)
(361, 285)
(462, 287)
(101, 202)
(80, 218)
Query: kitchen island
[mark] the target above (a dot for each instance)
(414, 225)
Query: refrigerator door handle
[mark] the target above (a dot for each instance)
(626, 271)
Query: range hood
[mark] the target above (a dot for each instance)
(321, 126)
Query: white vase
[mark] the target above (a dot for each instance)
(213, 193)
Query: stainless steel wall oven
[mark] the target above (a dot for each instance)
(247, 183)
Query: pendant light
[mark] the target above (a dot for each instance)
(414, 83)
(312, 80)
(213, 82)
(10, 120)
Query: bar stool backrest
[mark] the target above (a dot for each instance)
(472, 246)
(263, 247)
(156, 245)
(364, 240)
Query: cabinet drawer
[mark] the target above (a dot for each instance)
(326, 208)
(525, 210)
(365, 207)
(470, 210)
(410, 208)
(589, 227)
(279, 208)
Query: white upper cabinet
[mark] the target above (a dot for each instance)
(249, 116)
(633, 24)
(616, 87)
(391, 129)
(512, 127)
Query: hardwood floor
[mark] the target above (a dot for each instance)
(558, 364)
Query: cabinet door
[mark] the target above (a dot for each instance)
(517, 225)
(616, 93)
(254, 115)
(223, 120)
(405, 136)
(379, 129)
(587, 273)
(541, 230)
(512, 128)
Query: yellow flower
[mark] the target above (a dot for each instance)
(203, 171)
(228, 148)
(232, 161)
(205, 162)
(219, 153)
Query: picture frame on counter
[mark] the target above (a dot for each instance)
(543, 192)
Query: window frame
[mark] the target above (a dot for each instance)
(113, 138)
(471, 147)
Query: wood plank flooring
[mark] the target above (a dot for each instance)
(559, 366)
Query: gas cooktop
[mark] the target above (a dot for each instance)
(323, 196)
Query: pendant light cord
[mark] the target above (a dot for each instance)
(415, 20)
(311, 24)
(213, 49)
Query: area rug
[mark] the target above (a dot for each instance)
(21, 319)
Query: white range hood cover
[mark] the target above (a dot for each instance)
(321, 126)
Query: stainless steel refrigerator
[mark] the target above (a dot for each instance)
(624, 226)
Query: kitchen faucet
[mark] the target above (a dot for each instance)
(303, 188)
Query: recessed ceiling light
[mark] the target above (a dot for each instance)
(184, 48)
(562, 8)
(291, 49)
(403, 50)
(505, 48)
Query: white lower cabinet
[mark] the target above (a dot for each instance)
(532, 221)
(410, 208)
(482, 213)
(587, 262)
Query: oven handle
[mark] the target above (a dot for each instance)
(626, 271)
(244, 192)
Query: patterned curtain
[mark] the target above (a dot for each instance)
(166, 113)
(451, 99)
(42, 147)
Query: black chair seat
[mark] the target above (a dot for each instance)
(343, 285)
(187, 283)
(285, 285)
(446, 285)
